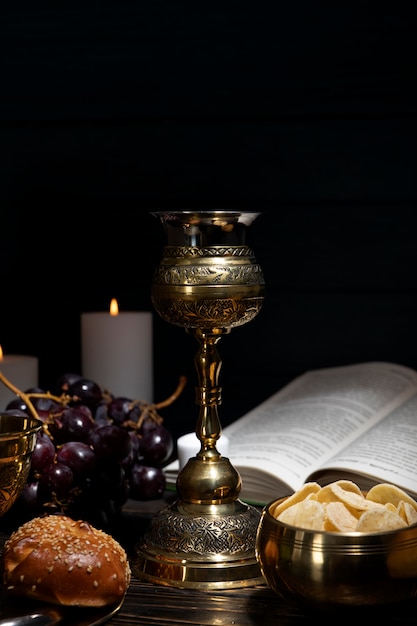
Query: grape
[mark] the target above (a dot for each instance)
(79, 457)
(29, 496)
(147, 425)
(156, 446)
(118, 409)
(65, 381)
(72, 424)
(134, 413)
(85, 391)
(55, 481)
(85, 410)
(19, 405)
(133, 454)
(101, 416)
(27, 504)
(15, 412)
(110, 442)
(146, 483)
(44, 452)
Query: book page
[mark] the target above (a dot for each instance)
(301, 427)
(388, 450)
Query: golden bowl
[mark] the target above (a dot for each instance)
(329, 570)
(17, 442)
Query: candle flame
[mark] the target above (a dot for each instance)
(1, 353)
(114, 307)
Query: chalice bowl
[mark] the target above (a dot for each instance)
(208, 282)
(17, 443)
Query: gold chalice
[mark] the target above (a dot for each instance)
(17, 443)
(208, 282)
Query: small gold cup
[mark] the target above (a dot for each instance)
(17, 443)
(325, 570)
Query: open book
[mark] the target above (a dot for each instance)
(357, 422)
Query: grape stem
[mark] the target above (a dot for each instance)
(25, 397)
(151, 410)
(173, 396)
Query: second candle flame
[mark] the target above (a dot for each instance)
(114, 307)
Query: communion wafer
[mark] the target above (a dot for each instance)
(326, 493)
(298, 496)
(338, 517)
(343, 507)
(307, 514)
(353, 500)
(375, 520)
(385, 492)
(407, 512)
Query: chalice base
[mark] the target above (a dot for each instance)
(200, 546)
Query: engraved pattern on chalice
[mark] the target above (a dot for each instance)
(207, 313)
(208, 282)
(12, 480)
(206, 534)
(208, 287)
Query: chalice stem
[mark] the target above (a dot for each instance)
(208, 365)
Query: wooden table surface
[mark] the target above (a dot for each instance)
(160, 605)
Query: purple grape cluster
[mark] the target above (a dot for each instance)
(95, 451)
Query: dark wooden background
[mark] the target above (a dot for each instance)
(305, 111)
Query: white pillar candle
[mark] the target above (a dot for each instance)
(21, 370)
(189, 445)
(117, 352)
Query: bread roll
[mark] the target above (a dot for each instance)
(56, 559)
